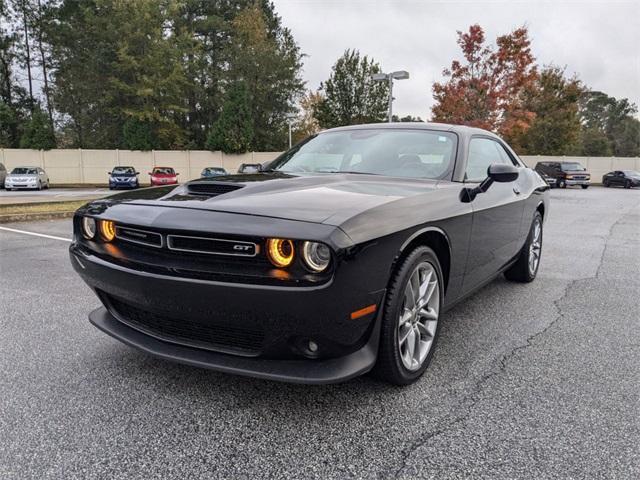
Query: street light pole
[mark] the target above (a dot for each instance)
(390, 77)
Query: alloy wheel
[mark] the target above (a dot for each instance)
(418, 319)
(536, 247)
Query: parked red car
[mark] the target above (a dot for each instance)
(163, 176)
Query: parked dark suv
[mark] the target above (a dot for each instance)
(561, 174)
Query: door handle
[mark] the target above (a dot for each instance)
(516, 190)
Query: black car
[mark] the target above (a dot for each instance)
(338, 259)
(123, 177)
(564, 174)
(622, 178)
(250, 168)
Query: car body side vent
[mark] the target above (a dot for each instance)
(212, 189)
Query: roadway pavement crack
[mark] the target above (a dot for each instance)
(473, 398)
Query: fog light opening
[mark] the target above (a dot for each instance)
(312, 346)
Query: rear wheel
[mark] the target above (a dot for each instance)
(410, 321)
(526, 267)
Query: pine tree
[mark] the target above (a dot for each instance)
(233, 132)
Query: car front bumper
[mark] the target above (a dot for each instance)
(578, 182)
(287, 317)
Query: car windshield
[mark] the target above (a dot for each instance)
(631, 173)
(394, 152)
(24, 171)
(571, 167)
(214, 170)
(167, 171)
(123, 170)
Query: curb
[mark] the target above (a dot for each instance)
(26, 217)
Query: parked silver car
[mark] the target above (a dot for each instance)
(27, 177)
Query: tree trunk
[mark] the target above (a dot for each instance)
(28, 59)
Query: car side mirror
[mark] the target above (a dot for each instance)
(109, 173)
(137, 173)
(150, 173)
(497, 172)
(177, 173)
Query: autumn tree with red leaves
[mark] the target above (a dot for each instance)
(487, 89)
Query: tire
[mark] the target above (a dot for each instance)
(393, 356)
(39, 185)
(627, 184)
(562, 184)
(523, 271)
(605, 183)
(584, 187)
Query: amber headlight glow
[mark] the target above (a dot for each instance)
(107, 230)
(316, 256)
(280, 251)
(88, 228)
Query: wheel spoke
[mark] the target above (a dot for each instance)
(428, 329)
(411, 343)
(403, 334)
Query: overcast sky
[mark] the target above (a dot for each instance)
(598, 40)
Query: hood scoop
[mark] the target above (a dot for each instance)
(212, 189)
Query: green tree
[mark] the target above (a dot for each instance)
(556, 126)
(350, 95)
(138, 135)
(406, 118)
(8, 126)
(265, 57)
(594, 143)
(37, 132)
(612, 119)
(233, 131)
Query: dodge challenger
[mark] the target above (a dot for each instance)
(338, 258)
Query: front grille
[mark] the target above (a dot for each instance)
(211, 189)
(188, 332)
(211, 246)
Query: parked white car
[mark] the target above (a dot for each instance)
(27, 177)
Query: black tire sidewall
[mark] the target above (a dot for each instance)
(393, 303)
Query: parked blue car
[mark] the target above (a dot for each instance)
(123, 177)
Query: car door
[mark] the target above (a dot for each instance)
(496, 235)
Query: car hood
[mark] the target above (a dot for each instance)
(163, 175)
(317, 198)
(22, 175)
(115, 174)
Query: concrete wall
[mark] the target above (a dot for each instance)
(76, 166)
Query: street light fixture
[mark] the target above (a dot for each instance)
(390, 77)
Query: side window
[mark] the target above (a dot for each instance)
(482, 153)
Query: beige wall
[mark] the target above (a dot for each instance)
(76, 166)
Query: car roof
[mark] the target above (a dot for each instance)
(162, 167)
(27, 166)
(123, 166)
(442, 127)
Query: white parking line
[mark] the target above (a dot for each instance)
(52, 237)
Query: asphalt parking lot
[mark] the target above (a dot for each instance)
(529, 381)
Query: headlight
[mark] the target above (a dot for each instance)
(316, 256)
(107, 230)
(88, 228)
(280, 251)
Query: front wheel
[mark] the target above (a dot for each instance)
(562, 184)
(526, 267)
(410, 321)
(627, 184)
(584, 187)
